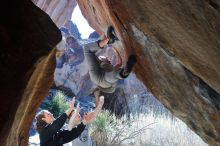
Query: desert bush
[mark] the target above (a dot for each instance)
(56, 105)
(107, 130)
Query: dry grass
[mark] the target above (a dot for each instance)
(145, 130)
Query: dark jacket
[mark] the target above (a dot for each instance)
(52, 135)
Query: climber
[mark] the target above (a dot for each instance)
(50, 129)
(101, 71)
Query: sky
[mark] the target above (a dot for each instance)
(81, 23)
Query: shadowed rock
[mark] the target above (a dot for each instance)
(27, 37)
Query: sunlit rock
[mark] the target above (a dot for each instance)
(60, 11)
(177, 44)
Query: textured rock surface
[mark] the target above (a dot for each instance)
(60, 11)
(26, 35)
(177, 44)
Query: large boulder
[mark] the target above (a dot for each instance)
(177, 45)
(27, 63)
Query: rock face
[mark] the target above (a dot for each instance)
(177, 44)
(27, 36)
(60, 11)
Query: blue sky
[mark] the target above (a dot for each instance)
(81, 23)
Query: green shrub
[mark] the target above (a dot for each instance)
(102, 125)
(57, 105)
(104, 121)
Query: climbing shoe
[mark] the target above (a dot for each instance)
(128, 67)
(111, 35)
